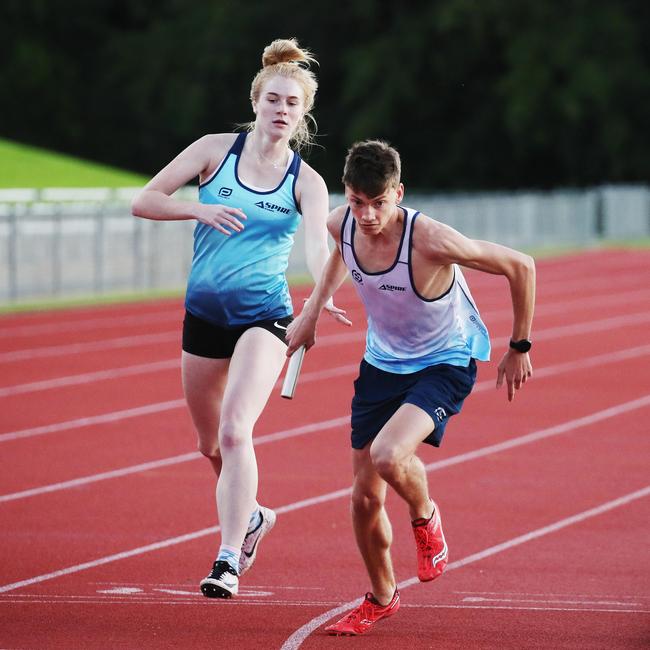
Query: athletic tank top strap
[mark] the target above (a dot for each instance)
(238, 144)
(294, 167)
(346, 228)
(346, 239)
(405, 250)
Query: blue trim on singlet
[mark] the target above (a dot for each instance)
(341, 238)
(399, 248)
(237, 149)
(295, 164)
(469, 300)
(412, 279)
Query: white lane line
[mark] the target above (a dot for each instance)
(197, 600)
(569, 366)
(165, 462)
(329, 339)
(143, 368)
(331, 424)
(623, 298)
(113, 416)
(527, 594)
(296, 639)
(94, 323)
(532, 609)
(156, 546)
(558, 601)
(90, 377)
(305, 503)
(332, 339)
(593, 326)
(534, 436)
(90, 346)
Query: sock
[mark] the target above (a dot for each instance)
(255, 520)
(231, 555)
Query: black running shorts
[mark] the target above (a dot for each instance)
(207, 340)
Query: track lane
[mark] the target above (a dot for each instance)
(62, 515)
(248, 619)
(330, 524)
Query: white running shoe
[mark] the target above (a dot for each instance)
(222, 582)
(252, 540)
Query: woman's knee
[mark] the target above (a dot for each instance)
(234, 435)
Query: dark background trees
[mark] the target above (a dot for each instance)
(476, 94)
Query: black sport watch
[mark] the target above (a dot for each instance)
(521, 346)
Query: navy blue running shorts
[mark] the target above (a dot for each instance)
(438, 390)
(207, 340)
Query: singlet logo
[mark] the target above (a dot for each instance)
(475, 321)
(391, 287)
(357, 276)
(272, 207)
(225, 191)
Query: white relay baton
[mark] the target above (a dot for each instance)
(293, 370)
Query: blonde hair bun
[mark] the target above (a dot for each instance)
(285, 50)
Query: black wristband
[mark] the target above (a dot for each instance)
(522, 345)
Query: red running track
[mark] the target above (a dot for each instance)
(107, 514)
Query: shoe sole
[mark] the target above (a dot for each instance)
(216, 590)
(383, 618)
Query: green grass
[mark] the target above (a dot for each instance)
(25, 166)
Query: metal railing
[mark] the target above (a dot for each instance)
(63, 242)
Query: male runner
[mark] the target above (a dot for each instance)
(424, 337)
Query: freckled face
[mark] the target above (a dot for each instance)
(280, 106)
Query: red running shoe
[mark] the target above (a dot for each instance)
(363, 617)
(431, 545)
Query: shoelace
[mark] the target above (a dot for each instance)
(219, 568)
